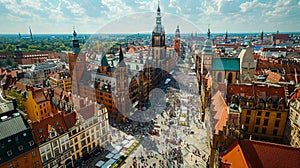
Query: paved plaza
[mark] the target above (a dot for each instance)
(175, 137)
(182, 139)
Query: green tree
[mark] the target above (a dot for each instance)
(8, 61)
(14, 64)
(20, 100)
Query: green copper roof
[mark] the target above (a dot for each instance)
(104, 61)
(226, 64)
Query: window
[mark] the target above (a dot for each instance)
(248, 112)
(278, 115)
(83, 143)
(267, 114)
(263, 131)
(56, 152)
(257, 121)
(247, 120)
(277, 123)
(259, 113)
(255, 129)
(266, 121)
(275, 132)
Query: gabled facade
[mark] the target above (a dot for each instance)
(51, 135)
(36, 104)
(91, 132)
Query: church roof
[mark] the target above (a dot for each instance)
(226, 64)
(104, 61)
(121, 58)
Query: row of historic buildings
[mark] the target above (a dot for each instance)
(65, 120)
(54, 130)
(248, 102)
(124, 83)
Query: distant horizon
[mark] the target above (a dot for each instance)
(183, 33)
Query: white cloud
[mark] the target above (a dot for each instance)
(74, 8)
(35, 4)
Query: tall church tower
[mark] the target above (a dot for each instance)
(207, 55)
(122, 87)
(177, 41)
(158, 45)
(77, 63)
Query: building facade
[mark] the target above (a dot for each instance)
(18, 147)
(61, 79)
(91, 132)
(293, 123)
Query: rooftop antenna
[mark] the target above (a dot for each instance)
(208, 31)
(226, 36)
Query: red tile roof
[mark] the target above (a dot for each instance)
(281, 37)
(263, 154)
(273, 77)
(270, 155)
(39, 95)
(58, 121)
(88, 111)
(255, 91)
(219, 111)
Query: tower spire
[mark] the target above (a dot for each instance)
(226, 36)
(75, 46)
(74, 33)
(31, 38)
(121, 58)
(262, 37)
(208, 32)
(158, 27)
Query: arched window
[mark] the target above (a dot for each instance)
(229, 78)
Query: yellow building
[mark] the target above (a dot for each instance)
(91, 133)
(36, 104)
(61, 79)
(265, 120)
(294, 123)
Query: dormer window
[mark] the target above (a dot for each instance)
(20, 147)
(31, 143)
(40, 131)
(9, 153)
(52, 132)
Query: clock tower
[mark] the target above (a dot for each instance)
(158, 45)
(177, 40)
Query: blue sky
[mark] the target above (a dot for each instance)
(131, 16)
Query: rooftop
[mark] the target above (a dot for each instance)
(226, 64)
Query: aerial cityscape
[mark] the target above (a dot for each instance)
(149, 84)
